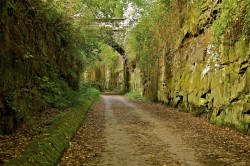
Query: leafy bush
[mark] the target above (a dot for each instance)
(134, 96)
(60, 95)
(46, 149)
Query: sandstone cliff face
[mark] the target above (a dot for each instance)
(203, 64)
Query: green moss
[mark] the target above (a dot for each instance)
(241, 128)
(232, 116)
(47, 148)
(134, 96)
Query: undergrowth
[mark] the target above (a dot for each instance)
(134, 96)
(59, 95)
(233, 23)
(46, 149)
(43, 54)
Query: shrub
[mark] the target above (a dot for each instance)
(134, 96)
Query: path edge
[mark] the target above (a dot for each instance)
(48, 147)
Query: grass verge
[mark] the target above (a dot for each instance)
(48, 147)
(134, 96)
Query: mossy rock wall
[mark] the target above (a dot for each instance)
(37, 56)
(107, 75)
(204, 66)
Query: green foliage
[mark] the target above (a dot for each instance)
(105, 70)
(141, 40)
(59, 95)
(91, 93)
(56, 94)
(110, 9)
(232, 23)
(134, 96)
(46, 149)
(109, 56)
(46, 47)
(43, 55)
(150, 35)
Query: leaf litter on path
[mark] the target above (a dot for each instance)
(122, 132)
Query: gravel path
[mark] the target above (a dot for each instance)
(119, 132)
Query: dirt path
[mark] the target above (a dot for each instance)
(118, 132)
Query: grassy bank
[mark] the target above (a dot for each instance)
(48, 147)
(134, 96)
